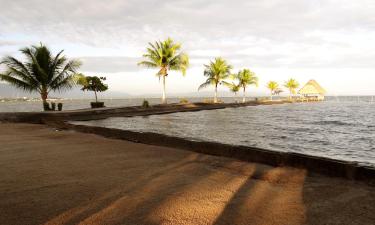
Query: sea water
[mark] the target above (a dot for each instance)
(342, 129)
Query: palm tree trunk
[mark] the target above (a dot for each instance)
(244, 95)
(44, 95)
(163, 99)
(215, 98)
(271, 95)
(290, 94)
(96, 97)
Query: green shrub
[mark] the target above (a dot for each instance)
(145, 104)
(184, 101)
(211, 101)
(97, 105)
(59, 106)
(53, 106)
(46, 106)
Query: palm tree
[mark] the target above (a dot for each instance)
(278, 91)
(216, 72)
(165, 55)
(245, 78)
(273, 86)
(292, 85)
(41, 72)
(235, 88)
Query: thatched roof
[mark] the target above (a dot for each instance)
(312, 87)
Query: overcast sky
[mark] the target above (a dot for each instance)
(332, 41)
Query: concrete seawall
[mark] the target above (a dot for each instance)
(326, 166)
(94, 114)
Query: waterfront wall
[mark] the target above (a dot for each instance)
(102, 113)
(326, 166)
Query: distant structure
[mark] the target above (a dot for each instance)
(312, 91)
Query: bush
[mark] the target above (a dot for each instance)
(59, 106)
(53, 106)
(211, 101)
(46, 106)
(97, 105)
(145, 104)
(184, 101)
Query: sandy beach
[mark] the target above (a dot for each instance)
(64, 177)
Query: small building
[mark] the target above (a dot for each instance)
(312, 91)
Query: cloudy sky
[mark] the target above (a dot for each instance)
(332, 41)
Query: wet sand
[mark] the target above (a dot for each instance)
(65, 177)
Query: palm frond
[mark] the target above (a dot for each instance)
(217, 71)
(204, 85)
(165, 55)
(41, 71)
(62, 84)
(225, 83)
(15, 63)
(148, 64)
(17, 82)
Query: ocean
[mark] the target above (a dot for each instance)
(339, 128)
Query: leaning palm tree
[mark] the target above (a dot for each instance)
(216, 72)
(245, 78)
(165, 55)
(292, 85)
(278, 91)
(41, 72)
(235, 88)
(273, 86)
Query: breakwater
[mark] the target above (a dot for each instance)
(326, 166)
(102, 113)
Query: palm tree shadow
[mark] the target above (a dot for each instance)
(131, 204)
(335, 200)
(77, 214)
(151, 194)
(261, 199)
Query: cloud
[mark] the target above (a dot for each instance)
(115, 22)
(110, 36)
(6, 43)
(109, 64)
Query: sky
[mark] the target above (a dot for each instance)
(331, 41)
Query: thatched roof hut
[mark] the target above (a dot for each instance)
(312, 91)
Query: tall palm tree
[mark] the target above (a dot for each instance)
(292, 85)
(216, 72)
(273, 86)
(41, 72)
(165, 55)
(245, 78)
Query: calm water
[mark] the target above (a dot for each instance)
(335, 129)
